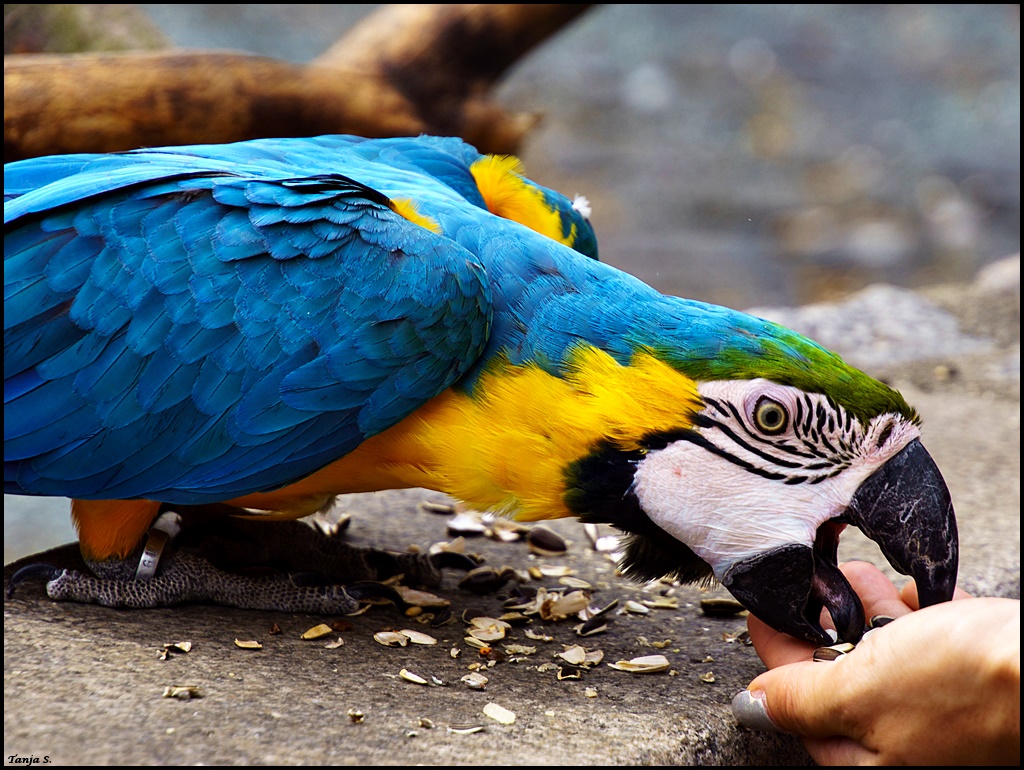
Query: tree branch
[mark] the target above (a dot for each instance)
(404, 70)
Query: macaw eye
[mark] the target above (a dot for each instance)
(770, 416)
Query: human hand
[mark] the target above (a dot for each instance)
(937, 686)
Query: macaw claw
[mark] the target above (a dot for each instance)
(39, 570)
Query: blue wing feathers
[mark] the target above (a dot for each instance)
(194, 324)
(156, 303)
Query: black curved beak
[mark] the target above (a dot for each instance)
(904, 506)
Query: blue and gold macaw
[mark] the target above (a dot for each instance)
(261, 326)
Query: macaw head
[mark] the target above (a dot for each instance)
(775, 447)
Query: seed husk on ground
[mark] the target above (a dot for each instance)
(421, 598)
(488, 634)
(488, 629)
(596, 625)
(465, 729)
(721, 608)
(636, 608)
(391, 638)
(409, 676)
(743, 637)
(662, 603)
(486, 621)
(418, 637)
(554, 570)
(645, 664)
(609, 545)
(574, 582)
(174, 648)
(506, 530)
(317, 632)
(486, 580)
(573, 654)
(182, 691)
(499, 714)
(519, 649)
(545, 542)
(602, 543)
(456, 545)
(439, 508)
(474, 680)
(466, 525)
(558, 606)
(594, 612)
(248, 644)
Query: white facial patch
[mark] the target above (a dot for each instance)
(731, 500)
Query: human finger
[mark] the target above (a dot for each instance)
(909, 595)
(839, 751)
(798, 698)
(774, 647)
(877, 593)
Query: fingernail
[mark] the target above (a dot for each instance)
(751, 710)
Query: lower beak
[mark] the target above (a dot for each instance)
(904, 507)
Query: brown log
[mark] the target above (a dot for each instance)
(405, 70)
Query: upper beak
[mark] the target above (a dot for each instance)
(904, 506)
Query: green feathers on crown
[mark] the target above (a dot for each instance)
(781, 355)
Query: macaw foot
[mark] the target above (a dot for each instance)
(333, 578)
(189, 578)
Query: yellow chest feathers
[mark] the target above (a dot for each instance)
(507, 445)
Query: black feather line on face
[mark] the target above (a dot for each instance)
(654, 557)
(600, 491)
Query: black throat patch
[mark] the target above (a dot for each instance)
(600, 491)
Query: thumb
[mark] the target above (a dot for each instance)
(803, 698)
(796, 698)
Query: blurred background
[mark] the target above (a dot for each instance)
(748, 155)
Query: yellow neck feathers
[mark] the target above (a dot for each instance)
(500, 181)
(507, 445)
